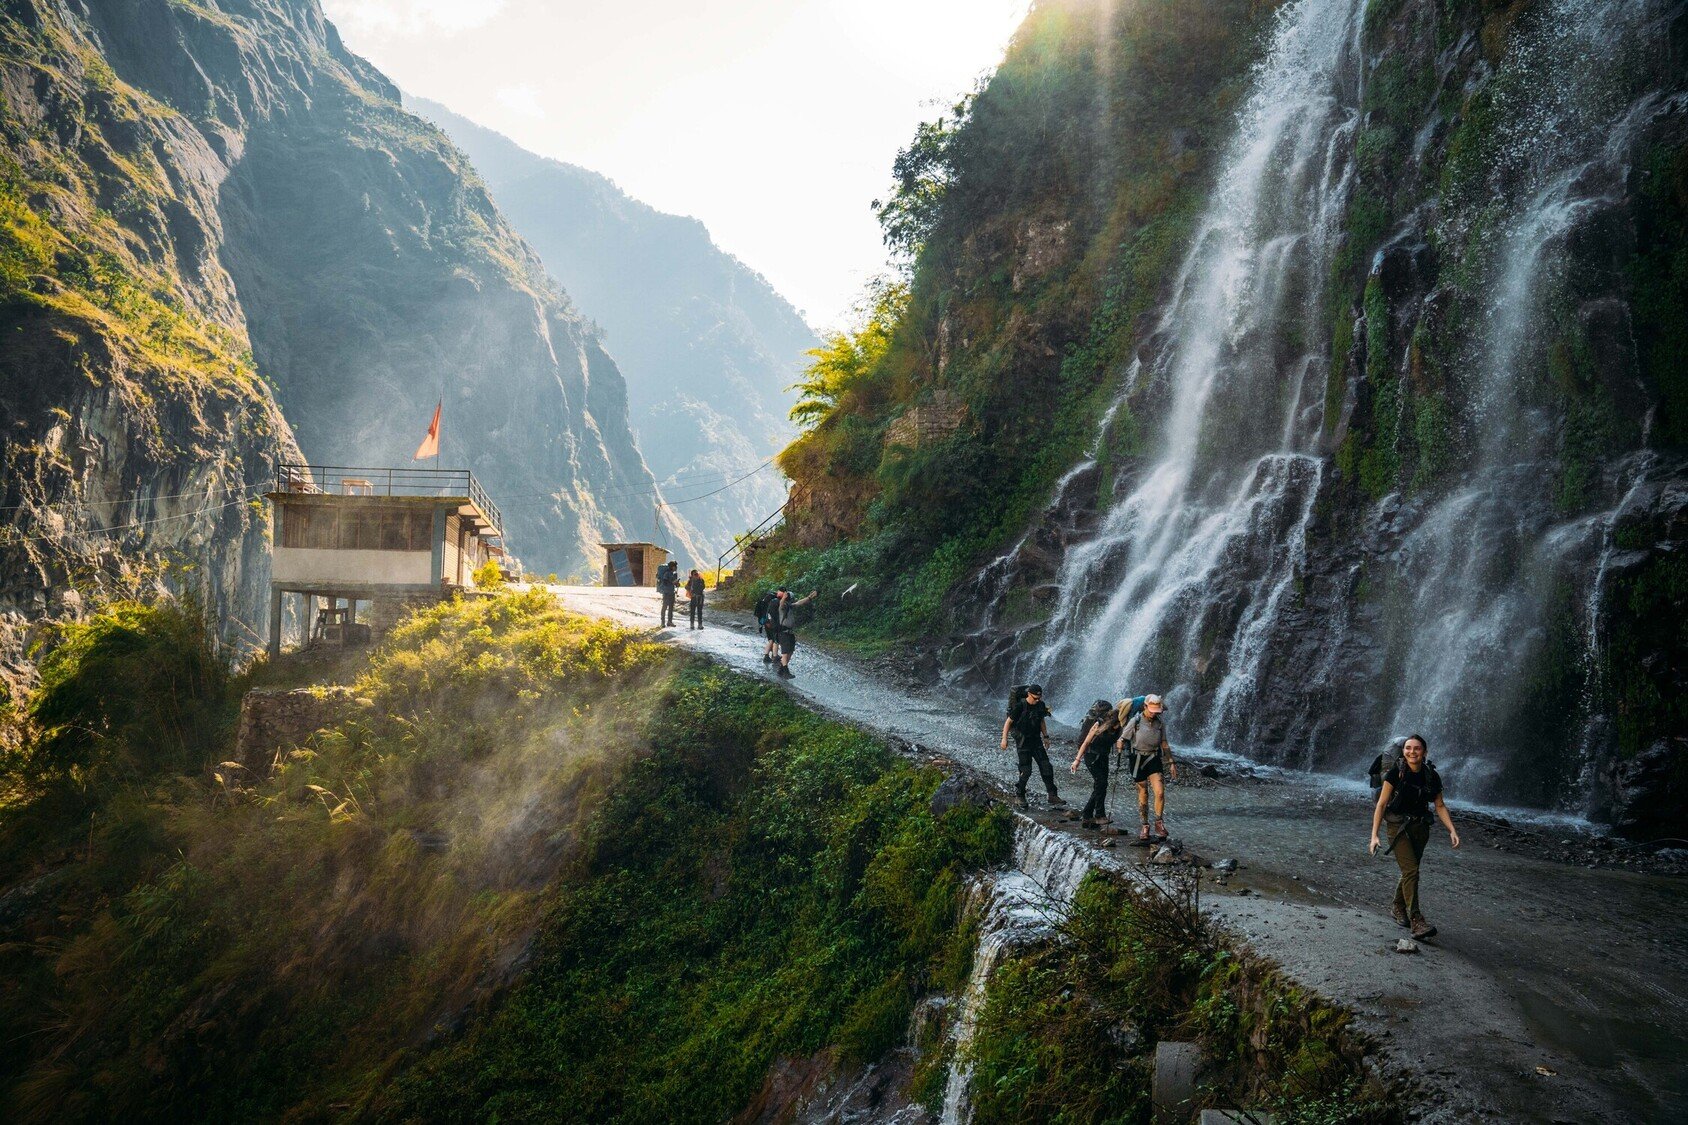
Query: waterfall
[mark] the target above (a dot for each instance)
(1016, 908)
(1231, 488)
(1489, 562)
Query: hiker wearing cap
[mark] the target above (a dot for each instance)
(1101, 726)
(1144, 738)
(768, 622)
(1411, 789)
(1027, 720)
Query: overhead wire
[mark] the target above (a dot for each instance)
(142, 523)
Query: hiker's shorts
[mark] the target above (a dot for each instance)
(1144, 767)
(771, 629)
(788, 642)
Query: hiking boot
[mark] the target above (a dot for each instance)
(1087, 823)
(1400, 913)
(1143, 833)
(1421, 928)
(784, 672)
(766, 659)
(1055, 801)
(1019, 800)
(1160, 828)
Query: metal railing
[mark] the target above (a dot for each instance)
(742, 542)
(356, 480)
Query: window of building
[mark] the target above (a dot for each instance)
(335, 528)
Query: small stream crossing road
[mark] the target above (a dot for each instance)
(1555, 992)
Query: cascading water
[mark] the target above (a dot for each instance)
(1187, 583)
(1232, 486)
(1489, 561)
(1016, 908)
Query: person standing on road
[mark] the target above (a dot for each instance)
(694, 598)
(1144, 737)
(1410, 790)
(668, 585)
(768, 622)
(786, 615)
(1027, 719)
(1101, 728)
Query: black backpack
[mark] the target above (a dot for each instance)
(760, 609)
(1385, 762)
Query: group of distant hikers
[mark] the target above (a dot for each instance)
(1131, 737)
(668, 585)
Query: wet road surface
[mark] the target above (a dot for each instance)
(1539, 964)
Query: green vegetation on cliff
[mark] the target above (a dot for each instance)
(1042, 221)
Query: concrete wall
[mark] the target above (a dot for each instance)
(356, 568)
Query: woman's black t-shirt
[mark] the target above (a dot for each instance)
(1412, 793)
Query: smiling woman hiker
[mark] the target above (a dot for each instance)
(1409, 791)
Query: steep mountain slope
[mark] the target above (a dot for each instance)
(706, 345)
(230, 184)
(129, 399)
(1320, 365)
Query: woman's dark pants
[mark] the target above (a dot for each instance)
(1096, 807)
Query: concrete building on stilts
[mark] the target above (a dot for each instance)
(383, 538)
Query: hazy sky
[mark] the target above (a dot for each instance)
(773, 121)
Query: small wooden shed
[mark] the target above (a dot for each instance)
(632, 564)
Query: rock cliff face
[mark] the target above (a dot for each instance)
(1343, 397)
(213, 209)
(128, 400)
(706, 345)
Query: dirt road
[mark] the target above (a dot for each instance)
(1540, 965)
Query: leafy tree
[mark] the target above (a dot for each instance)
(845, 359)
(922, 173)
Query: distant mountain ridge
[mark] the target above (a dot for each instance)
(706, 345)
(221, 232)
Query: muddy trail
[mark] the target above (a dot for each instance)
(1555, 991)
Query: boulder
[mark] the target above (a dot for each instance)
(961, 789)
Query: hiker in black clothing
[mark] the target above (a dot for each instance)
(668, 585)
(768, 622)
(694, 596)
(1101, 727)
(1410, 790)
(1026, 718)
(785, 613)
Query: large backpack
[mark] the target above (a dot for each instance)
(760, 609)
(1385, 762)
(1130, 708)
(1016, 696)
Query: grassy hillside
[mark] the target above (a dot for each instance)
(696, 876)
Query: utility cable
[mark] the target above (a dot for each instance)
(135, 524)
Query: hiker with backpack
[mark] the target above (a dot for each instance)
(786, 613)
(694, 599)
(1097, 733)
(1027, 720)
(1411, 788)
(668, 585)
(1144, 737)
(767, 623)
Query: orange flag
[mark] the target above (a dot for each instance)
(430, 446)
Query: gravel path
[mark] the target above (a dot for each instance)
(1540, 964)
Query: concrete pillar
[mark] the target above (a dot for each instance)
(1174, 1084)
(275, 621)
(439, 547)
